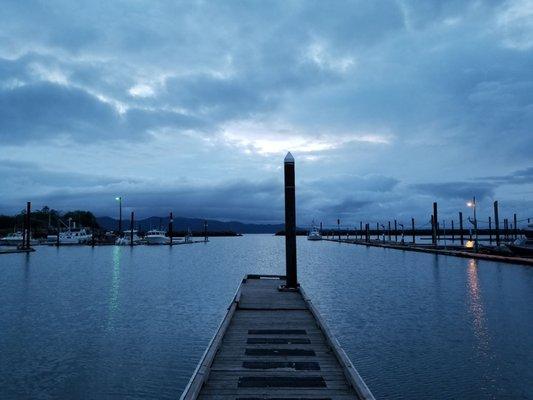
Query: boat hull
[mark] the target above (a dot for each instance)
(524, 251)
(157, 240)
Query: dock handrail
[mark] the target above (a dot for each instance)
(201, 373)
(348, 368)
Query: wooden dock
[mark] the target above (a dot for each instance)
(274, 344)
(15, 251)
(442, 251)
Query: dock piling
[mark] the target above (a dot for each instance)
(434, 223)
(453, 233)
(131, 228)
(395, 231)
(290, 222)
(413, 229)
(515, 226)
(490, 230)
(496, 223)
(170, 226)
(461, 228)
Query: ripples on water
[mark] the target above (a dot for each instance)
(116, 322)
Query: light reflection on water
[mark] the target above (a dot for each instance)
(114, 322)
(115, 286)
(476, 307)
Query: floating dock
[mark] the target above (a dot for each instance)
(15, 251)
(274, 344)
(442, 251)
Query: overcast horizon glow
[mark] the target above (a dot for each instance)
(190, 107)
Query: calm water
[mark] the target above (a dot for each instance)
(112, 322)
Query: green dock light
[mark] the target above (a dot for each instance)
(119, 199)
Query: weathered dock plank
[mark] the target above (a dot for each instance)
(274, 345)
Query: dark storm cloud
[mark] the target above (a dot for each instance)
(456, 190)
(239, 200)
(346, 207)
(31, 174)
(43, 111)
(523, 176)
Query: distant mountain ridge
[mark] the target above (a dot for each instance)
(195, 224)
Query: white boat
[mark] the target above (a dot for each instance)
(15, 239)
(71, 236)
(125, 240)
(314, 234)
(155, 236)
(523, 246)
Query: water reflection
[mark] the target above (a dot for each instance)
(476, 307)
(115, 286)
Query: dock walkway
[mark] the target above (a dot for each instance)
(442, 251)
(274, 345)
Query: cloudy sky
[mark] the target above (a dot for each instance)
(191, 107)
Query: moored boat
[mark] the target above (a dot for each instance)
(314, 233)
(523, 246)
(155, 236)
(125, 240)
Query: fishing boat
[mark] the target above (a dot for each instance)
(126, 239)
(15, 239)
(314, 233)
(71, 236)
(155, 236)
(523, 246)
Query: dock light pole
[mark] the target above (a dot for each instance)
(119, 199)
(290, 223)
(473, 205)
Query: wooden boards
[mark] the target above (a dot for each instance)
(274, 345)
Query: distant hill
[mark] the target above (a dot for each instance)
(195, 224)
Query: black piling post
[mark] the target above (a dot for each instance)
(506, 228)
(170, 228)
(58, 231)
(290, 223)
(320, 227)
(433, 237)
(131, 228)
(461, 228)
(434, 224)
(490, 230)
(27, 229)
(377, 231)
(389, 232)
(453, 233)
(413, 229)
(367, 232)
(206, 239)
(395, 231)
(496, 223)
(339, 228)
(515, 226)
(361, 229)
